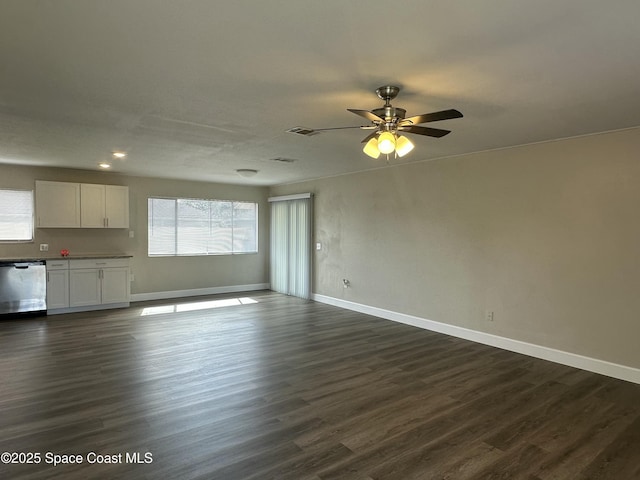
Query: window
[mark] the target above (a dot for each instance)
(188, 226)
(16, 215)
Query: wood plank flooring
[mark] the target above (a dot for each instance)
(288, 389)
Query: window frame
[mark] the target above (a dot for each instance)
(176, 226)
(33, 223)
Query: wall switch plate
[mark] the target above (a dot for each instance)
(489, 315)
(44, 247)
(131, 234)
(318, 246)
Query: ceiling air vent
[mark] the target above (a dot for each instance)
(282, 160)
(303, 131)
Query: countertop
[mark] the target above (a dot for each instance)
(80, 256)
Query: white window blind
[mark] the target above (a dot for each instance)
(187, 226)
(291, 218)
(16, 215)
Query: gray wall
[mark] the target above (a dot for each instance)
(547, 236)
(151, 274)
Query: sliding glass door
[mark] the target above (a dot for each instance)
(291, 244)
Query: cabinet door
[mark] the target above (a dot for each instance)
(115, 285)
(57, 289)
(92, 205)
(117, 206)
(57, 204)
(84, 287)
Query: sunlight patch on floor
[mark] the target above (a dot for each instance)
(191, 306)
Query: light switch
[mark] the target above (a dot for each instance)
(318, 246)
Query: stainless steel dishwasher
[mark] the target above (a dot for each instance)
(23, 287)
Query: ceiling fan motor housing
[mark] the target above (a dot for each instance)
(390, 113)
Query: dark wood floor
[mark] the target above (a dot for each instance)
(288, 389)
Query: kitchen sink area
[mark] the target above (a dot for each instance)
(52, 285)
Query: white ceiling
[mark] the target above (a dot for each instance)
(196, 89)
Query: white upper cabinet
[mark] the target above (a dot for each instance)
(104, 206)
(57, 204)
(85, 205)
(117, 206)
(92, 206)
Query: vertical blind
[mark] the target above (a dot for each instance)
(291, 245)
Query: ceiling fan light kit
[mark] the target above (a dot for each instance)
(371, 148)
(386, 143)
(403, 146)
(389, 122)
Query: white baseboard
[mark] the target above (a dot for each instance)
(90, 308)
(602, 367)
(194, 292)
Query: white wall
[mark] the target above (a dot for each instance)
(546, 236)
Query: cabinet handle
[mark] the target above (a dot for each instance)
(107, 219)
(48, 277)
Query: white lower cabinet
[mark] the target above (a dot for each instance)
(57, 284)
(84, 287)
(96, 284)
(115, 285)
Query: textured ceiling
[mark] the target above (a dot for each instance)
(196, 89)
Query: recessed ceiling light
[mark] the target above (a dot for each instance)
(119, 154)
(104, 165)
(246, 172)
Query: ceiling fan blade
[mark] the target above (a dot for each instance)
(432, 117)
(366, 114)
(369, 137)
(429, 132)
(361, 127)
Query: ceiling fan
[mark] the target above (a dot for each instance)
(388, 123)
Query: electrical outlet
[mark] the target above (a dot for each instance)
(44, 247)
(489, 315)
